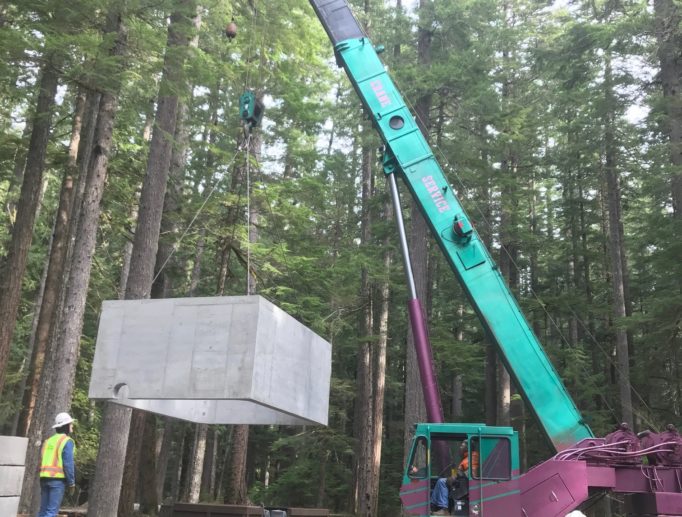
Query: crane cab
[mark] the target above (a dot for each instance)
(471, 468)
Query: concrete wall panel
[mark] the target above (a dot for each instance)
(9, 506)
(13, 450)
(12, 461)
(11, 479)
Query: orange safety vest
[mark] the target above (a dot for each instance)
(464, 464)
(51, 465)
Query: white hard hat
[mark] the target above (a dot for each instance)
(62, 419)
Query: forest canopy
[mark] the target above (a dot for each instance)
(126, 173)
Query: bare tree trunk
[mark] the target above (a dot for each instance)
(24, 370)
(14, 264)
(146, 240)
(163, 286)
(65, 340)
(508, 256)
(126, 257)
(322, 479)
(379, 377)
(508, 227)
(71, 323)
(104, 501)
(669, 38)
(458, 378)
(149, 501)
(486, 234)
(177, 465)
(457, 397)
(363, 399)
(169, 434)
(503, 396)
(18, 176)
(197, 465)
(221, 471)
(208, 474)
(166, 267)
(236, 467)
(55, 271)
(490, 384)
(616, 251)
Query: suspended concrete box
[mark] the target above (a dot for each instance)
(221, 360)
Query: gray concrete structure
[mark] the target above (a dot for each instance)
(219, 360)
(12, 461)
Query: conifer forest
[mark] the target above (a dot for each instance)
(126, 173)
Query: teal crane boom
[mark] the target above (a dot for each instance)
(491, 484)
(408, 155)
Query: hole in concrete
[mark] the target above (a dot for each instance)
(121, 391)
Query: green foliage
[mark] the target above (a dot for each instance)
(518, 110)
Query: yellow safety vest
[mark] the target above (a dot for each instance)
(51, 465)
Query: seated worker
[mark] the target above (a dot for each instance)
(463, 467)
(440, 494)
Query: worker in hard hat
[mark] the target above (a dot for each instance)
(57, 468)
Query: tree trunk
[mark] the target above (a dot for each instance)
(221, 473)
(24, 370)
(63, 349)
(208, 474)
(458, 377)
(379, 377)
(146, 240)
(18, 176)
(166, 268)
(669, 38)
(169, 434)
(177, 464)
(149, 500)
(507, 261)
(457, 397)
(126, 257)
(616, 249)
(490, 384)
(508, 227)
(236, 466)
(13, 266)
(197, 465)
(163, 285)
(105, 491)
(363, 400)
(55, 271)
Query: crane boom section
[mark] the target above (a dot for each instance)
(409, 155)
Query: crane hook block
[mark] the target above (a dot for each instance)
(231, 30)
(250, 109)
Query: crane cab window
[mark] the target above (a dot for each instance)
(418, 465)
(447, 454)
(495, 457)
